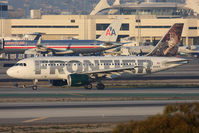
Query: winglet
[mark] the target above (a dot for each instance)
(111, 33)
(39, 41)
(168, 45)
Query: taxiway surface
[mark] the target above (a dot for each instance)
(108, 92)
(83, 111)
(80, 112)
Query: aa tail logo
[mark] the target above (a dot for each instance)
(110, 32)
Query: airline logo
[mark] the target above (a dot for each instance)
(76, 66)
(110, 32)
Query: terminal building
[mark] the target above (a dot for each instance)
(148, 21)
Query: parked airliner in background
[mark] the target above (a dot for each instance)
(29, 36)
(62, 47)
(83, 71)
(143, 50)
(189, 50)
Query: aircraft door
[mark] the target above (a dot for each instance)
(2, 43)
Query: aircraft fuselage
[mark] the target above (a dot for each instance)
(77, 46)
(61, 67)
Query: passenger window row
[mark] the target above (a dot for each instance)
(128, 64)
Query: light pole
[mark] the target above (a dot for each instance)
(1, 9)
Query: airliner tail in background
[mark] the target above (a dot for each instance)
(111, 33)
(169, 44)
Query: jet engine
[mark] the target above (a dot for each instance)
(72, 80)
(78, 80)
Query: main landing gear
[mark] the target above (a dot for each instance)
(99, 86)
(88, 86)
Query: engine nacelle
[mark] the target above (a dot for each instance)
(78, 80)
(72, 80)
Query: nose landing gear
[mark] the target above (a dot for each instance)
(34, 87)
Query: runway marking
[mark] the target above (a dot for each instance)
(36, 119)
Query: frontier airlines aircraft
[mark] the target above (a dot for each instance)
(83, 71)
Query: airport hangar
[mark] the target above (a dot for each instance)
(150, 21)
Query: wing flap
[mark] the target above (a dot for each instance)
(184, 61)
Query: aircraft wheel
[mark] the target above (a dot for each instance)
(100, 86)
(196, 56)
(34, 87)
(89, 86)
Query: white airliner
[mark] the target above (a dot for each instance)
(63, 47)
(83, 71)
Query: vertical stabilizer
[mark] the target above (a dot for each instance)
(101, 5)
(193, 4)
(111, 33)
(168, 45)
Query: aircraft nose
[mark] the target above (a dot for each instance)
(11, 72)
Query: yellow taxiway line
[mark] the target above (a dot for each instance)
(74, 94)
(36, 119)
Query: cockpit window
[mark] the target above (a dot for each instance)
(20, 64)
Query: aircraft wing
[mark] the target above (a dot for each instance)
(111, 71)
(44, 49)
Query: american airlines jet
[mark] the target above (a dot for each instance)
(62, 47)
(83, 71)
